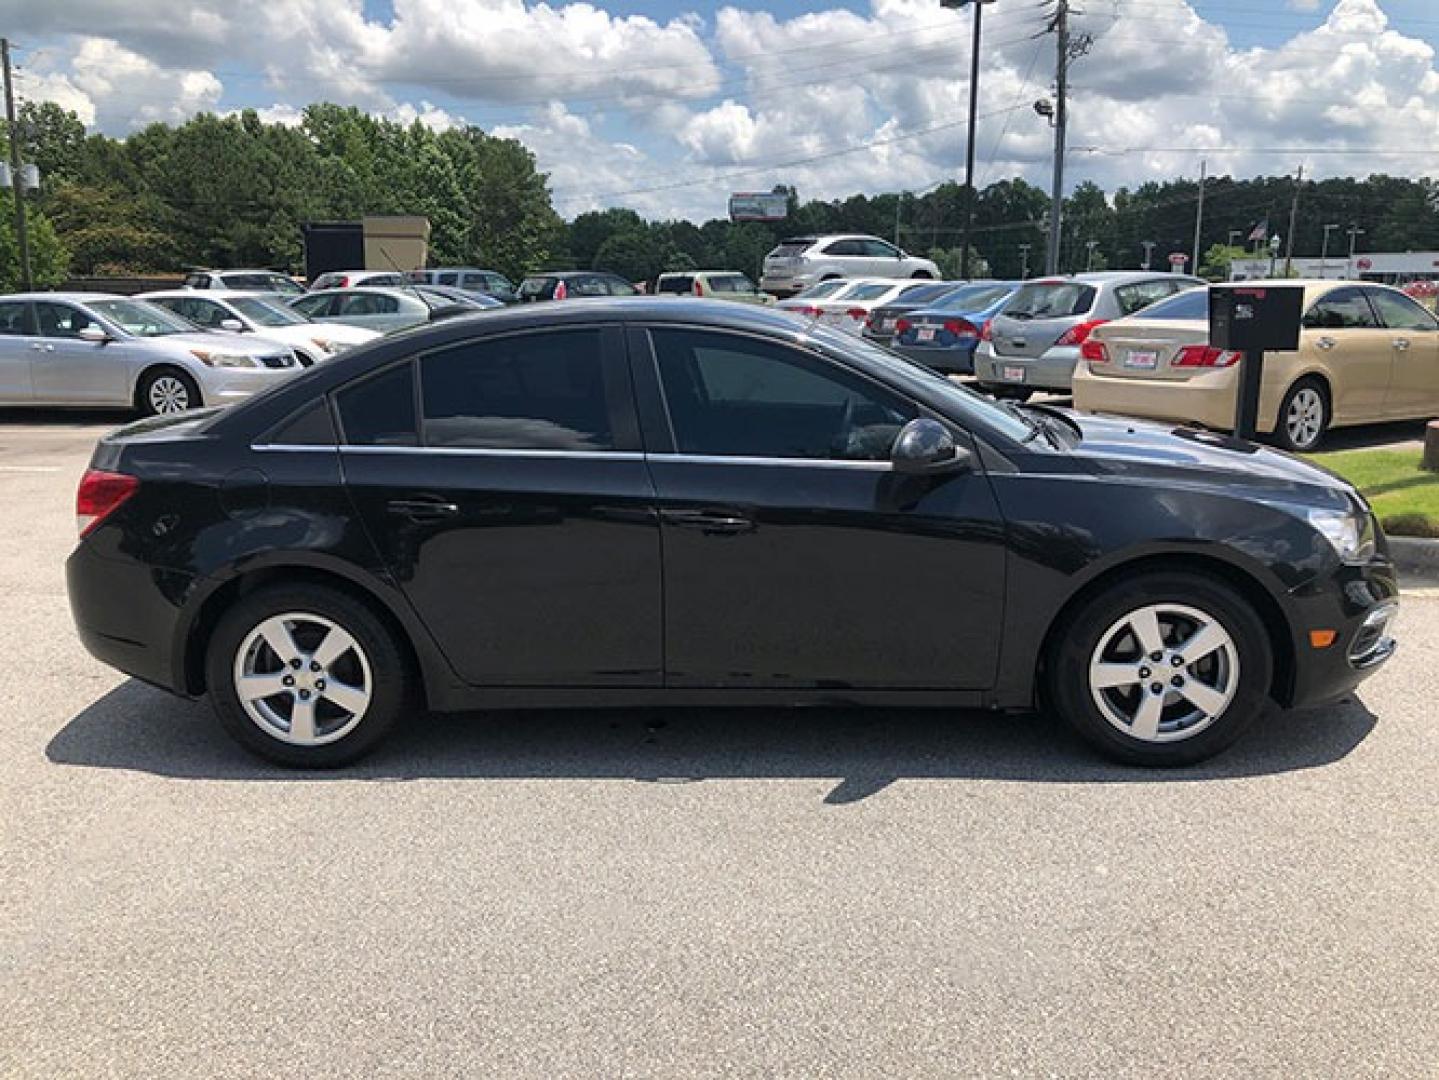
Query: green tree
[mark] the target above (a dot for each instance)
(49, 261)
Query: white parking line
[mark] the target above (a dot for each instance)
(30, 468)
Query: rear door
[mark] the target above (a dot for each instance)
(67, 370)
(1342, 336)
(1038, 315)
(372, 310)
(1414, 337)
(501, 479)
(17, 341)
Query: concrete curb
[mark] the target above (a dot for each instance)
(1416, 558)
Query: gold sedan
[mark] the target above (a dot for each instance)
(1366, 353)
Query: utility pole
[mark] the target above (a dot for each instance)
(898, 202)
(1148, 246)
(1024, 262)
(1089, 255)
(1293, 216)
(22, 236)
(1354, 232)
(1061, 118)
(1199, 216)
(969, 192)
(1324, 250)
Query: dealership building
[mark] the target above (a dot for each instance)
(1393, 268)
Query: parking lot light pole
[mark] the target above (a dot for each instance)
(1024, 262)
(1324, 250)
(1089, 255)
(969, 193)
(1354, 233)
(1149, 246)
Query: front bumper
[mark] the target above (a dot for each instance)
(225, 386)
(1052, 371)
(1359, 603)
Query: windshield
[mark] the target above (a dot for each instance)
(822, 289)
(1192, 304)
(966, 404)
(974, 297)
(258, 311)
(140, 318)
(1051, 300)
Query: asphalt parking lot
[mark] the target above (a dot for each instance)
(694, 893)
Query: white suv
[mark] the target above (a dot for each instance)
(801, 261)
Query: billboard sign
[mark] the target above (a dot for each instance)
(758, 206)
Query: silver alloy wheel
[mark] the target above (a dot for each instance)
(303, 679)
(1164, 672)
(1304, 421)
(169, 395)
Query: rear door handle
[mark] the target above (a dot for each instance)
(714, 522)
(1401, 343)
(423, 509)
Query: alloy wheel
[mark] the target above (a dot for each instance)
(303, 679)
(1304, 420)
(169, 395)
(1164, 672)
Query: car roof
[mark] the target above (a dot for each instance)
(74, 297)
(383, 290)
(572, 273)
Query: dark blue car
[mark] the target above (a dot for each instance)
(944, 336)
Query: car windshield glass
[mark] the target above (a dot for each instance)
(1051, 300)
(824, 288)
(974, 297)
(1192, 304)
(788, 249)
(864, 291)
(280, 283)
(141, 319)
(966, 404)
(258, 311)
(532, 286)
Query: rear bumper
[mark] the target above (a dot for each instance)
(1052, 371)
(127, 614)
(1360, 603)
(955, 361)
(783, 287)
(1207, 398)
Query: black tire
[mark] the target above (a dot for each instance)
(921, 275)
(389, 676)
(1304, 399)
(149, 402)
(1006, 392)
(1093, 624)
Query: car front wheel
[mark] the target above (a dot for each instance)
(306, 676)
(1163, 669)
(167, 390)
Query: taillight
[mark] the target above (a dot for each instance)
(809, 311)
(561, 291)
(101, 493)
(901, 325)
(1094, 351)
(1079, 333)
(960, 327)
(857, 313)
(1205, 356)
(344, 283)
(986, 332)
(698, 288)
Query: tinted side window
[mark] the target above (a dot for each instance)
(1141, 294)
(60, 320)
(732, 395)
(1401, 313)
(617, 286)
(878, 249)
(676, 283)
(205, 313)
(12, 318)
(368, 304)
(313, 306)
(529, 392)
(845, 247)
(380, 411)
(1343, 309)
(450, 277)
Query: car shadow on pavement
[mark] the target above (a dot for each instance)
(134, 727)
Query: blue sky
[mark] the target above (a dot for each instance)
(668, 106)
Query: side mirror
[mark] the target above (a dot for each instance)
(232, 324)
(927, 446)
(93, 334)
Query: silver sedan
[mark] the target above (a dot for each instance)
(100, 350)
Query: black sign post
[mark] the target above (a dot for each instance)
(1253, 319)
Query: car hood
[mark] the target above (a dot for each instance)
(1167, 454)
(244, 344)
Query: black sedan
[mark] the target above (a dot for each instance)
(671, 501)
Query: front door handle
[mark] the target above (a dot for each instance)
(713, 522)
(423, 509)
(1326, 343)
(1401, 343)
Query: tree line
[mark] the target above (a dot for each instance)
(225, 191)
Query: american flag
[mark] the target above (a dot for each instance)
(1260, 231)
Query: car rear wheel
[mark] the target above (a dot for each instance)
(1303, 417)
(1163, 669)
(165, 391)
(306, 676)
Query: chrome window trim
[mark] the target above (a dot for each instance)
(585, 455)
(794, 462)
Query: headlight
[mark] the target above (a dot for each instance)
(1349, 532)
(219, 358)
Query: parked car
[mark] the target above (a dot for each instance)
(439, 296)
(349, 279)
(944, 335)
(801, 261)
(559, 285)
(379, 309)
(1366, 353)
(246, 280)
(879, 327)
(261, 313)
(652, 500)
(1033, 343)
(469, 278)
(100, 350)
(720, 284)
(848, 309)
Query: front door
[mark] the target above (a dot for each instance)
(1343, 335)
(501, 481)
(67, 369)
(1414, 337)
(794, 557)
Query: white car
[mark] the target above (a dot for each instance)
(348, 279)
(801, 261)
(848, 307)
(101, 350)
(259, 313)
(370, 308)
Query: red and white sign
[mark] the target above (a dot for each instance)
(1364, 264)
(1177, 258)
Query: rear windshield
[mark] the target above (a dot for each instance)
(975, 297)
(788, 249)
(864, 291)
(675, 283)
(1190, 304)
(924, 293)
(1051, 300)
(822, 289)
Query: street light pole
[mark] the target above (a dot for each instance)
(1089, 255)
(1024, 262)
(1354, 232)
(969, 192)
(1324, 250)
(1232, 234)
(1061, 118)
(1148, 246)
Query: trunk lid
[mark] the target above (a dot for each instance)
(1148, 348)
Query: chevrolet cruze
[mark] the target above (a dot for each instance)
(645, 501)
